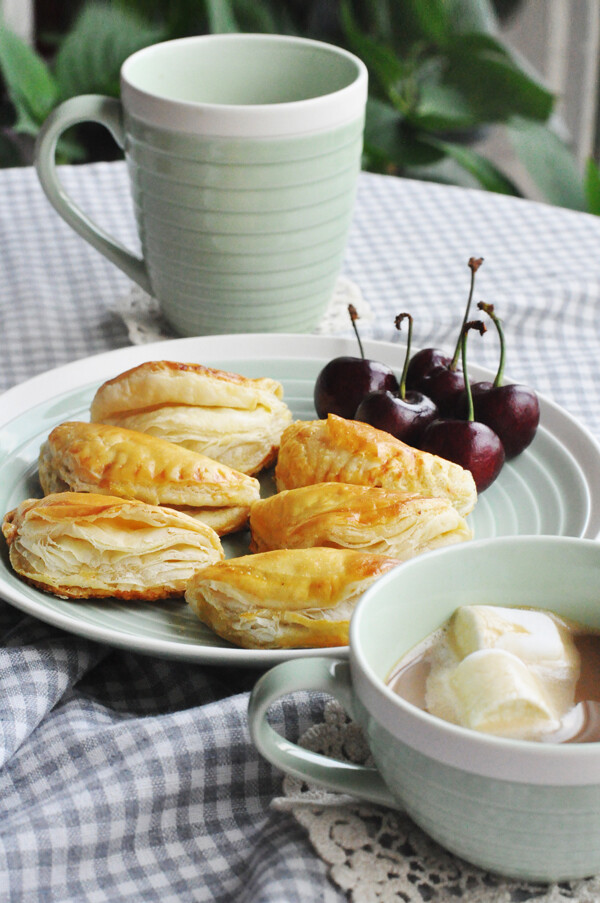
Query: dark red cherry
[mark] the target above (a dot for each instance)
(445, 387)
(344, 381)
(423, 364)
(510, 409)
(473, 445)
(405, 418)
(403, 414)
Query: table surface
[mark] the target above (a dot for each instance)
(128, 778)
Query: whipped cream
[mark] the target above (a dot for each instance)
(505, 671)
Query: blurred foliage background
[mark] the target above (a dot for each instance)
(440, 76)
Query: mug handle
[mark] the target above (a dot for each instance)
(331, 676)
(107, 111)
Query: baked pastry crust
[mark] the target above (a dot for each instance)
(85, 545)
(247, 441)
(155, 383)
(348, 451)
(283, 599)
(222, 520)
(344, 515)
(96, 457)
(231, 418)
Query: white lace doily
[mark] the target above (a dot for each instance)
(142, 316)
(377, 855)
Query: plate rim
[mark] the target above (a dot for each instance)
(52, 383)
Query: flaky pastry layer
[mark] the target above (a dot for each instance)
(96, 457)
(344, 515)
(228, 417)
(85, 545)
(291, 598)
(347, 451)
(155, 383)
(247, 441)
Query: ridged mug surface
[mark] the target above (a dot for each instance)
(240, 236)
(501, 826)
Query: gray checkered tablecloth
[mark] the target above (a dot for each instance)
(128, 778)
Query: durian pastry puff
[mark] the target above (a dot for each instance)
(345, 515)
(111, 460)
(81, 545)
(231, 418)
(348, 451)
(285, 599)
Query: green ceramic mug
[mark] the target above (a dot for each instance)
(243, 153)
(523, 809)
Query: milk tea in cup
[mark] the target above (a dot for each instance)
(511, 672)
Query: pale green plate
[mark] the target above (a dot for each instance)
(552, 488)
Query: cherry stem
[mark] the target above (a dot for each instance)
(397, 322)
(480, 327)
(489, 310)
(354, 317)
(474, 264)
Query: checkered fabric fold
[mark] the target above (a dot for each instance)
(128, 778)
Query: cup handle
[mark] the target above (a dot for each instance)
(108, 112)
(330, 676)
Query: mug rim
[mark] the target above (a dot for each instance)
(285, 119)
(503, 758)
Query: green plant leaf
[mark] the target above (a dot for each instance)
(90, 57)
(69, 149)
(447, 171)
(221, 17)
(382, 62)
(383, 128)
(478, 42)
(443, 108)
(549, 161)
(419, 20)
(178, 18)
(391, 143)
(496, 86)
(472, 16)
(30, 85)
(257, 17)
(591, 187)
(488, 175)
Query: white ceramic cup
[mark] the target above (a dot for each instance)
(523, 809)
(243, 154)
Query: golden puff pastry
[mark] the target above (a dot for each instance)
(154, 383)
(284, 599)
(96, 457)
(231, 418)
(347, 516)
(222, 520)
(347, 451)
(81, 545)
